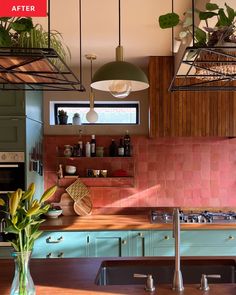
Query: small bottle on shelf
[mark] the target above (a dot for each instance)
(121, 149)
(127, 145)
(93, 146)
(88, 149)
(80, 149)
(113, 149)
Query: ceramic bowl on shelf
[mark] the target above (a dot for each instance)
(70, 169)
(53, 213)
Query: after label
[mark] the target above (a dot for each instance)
(27, 8)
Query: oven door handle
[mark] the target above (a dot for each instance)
(9, 166)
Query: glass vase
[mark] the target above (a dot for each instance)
(22, 283)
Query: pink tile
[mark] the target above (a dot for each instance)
(169, 171)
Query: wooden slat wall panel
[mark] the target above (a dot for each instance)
(186, 113)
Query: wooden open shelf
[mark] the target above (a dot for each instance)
(99, 181)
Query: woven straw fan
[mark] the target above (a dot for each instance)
(77, 190)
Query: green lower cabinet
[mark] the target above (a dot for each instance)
(139, 242)
(108, 244)
(195, 243)
(61, 245)
(134, 243)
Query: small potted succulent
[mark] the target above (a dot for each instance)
(62, 117)
(220, 34)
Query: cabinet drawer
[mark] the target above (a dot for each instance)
(60, 245)
(206, 237)
(162, 238)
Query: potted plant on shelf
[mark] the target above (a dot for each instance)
(24, 218)
(220, 34)
(21, 32)
(62, 117)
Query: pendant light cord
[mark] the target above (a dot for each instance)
(49, 24)
(119, 22)
(193, 22)
(172, 29)
(80, 43)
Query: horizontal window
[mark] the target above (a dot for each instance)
(108, 113)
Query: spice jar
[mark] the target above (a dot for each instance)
(67, 150)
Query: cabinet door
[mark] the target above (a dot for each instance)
(12, 103)
(139, 242)
(108, 244)
(61, 245)
(162, 243)
(12, 130)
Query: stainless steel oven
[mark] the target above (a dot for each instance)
(12, 177)
(12, 171)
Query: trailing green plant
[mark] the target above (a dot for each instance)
(21, 32)
(222, 31)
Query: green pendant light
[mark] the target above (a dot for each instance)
(119, 77)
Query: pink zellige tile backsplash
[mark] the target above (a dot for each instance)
(190, 172)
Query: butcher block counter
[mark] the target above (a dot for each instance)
(76, 276)
(120, 222)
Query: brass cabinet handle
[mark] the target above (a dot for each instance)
(166, 237)
(60, 255)
(140, 234)
(50, 241)
(231, 238)
(124, 242)
(49, 255)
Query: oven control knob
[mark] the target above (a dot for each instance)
(3, 157)
(15, 157)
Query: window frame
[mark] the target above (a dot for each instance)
(99, 105)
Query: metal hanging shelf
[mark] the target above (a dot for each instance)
(211, 69)
(35, 69)
(38, 68)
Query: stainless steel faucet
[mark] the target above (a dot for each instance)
(178, 279)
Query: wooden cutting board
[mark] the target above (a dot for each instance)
(66, 203)
(84, 206)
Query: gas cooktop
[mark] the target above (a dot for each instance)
(194, 217)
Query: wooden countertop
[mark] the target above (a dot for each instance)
(119, 222)
(76, 276)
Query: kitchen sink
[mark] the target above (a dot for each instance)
(120, 272)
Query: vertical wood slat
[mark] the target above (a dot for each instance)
(160, 74)
(187, 113)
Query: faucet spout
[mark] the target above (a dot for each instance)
(178, 279)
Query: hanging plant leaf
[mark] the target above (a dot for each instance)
(211, 6)
(4, 19)
(22, 25)
(204, 15)
(200, 36)
(223, 19)
(5, 39)
(169, 20)
(231, 13)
